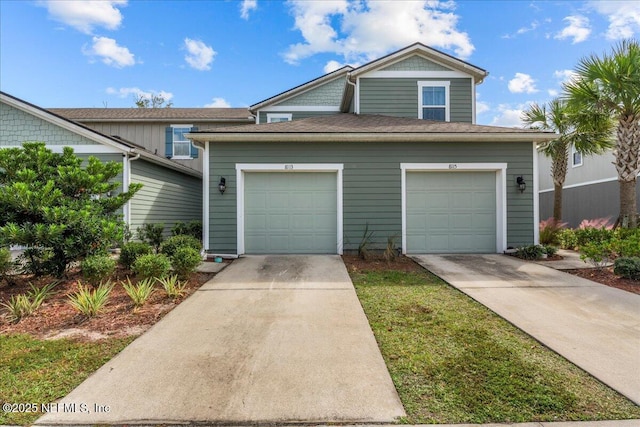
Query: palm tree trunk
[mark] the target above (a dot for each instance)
(628, 166)
(559, 163)
(557, 202)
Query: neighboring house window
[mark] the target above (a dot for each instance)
(278, 117)
(576, 157)
(433, 101)
(177, 145)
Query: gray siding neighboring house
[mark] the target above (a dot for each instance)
(171, 191)
(152, 127)
(591, 189)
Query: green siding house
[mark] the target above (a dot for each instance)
(391, 147)
(171, 192)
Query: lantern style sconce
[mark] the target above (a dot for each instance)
(521, 184)
(222, 185)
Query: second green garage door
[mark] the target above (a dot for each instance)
(290, 213)
(451, 212)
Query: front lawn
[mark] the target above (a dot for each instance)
(454, 361)
(39, 372)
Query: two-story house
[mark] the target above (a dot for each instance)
(390, 147)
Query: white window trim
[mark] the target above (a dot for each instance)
(501, 193)
(271, 116)
(174, 157)
(241, 168)
(573, 153)
(285, 108)
(422, 84)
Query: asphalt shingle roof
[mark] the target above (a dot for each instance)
(162, 114)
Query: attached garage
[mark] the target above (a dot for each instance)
(290, 211)
(453, 208)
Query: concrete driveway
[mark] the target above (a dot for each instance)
(594, 326)
(270, 339)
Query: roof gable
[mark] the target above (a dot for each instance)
(154, 114)
(415, 63)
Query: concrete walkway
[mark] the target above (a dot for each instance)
(268, 340)
(594, 326)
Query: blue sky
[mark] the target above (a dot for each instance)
(236, 53)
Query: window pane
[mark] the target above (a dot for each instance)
(577, 158)
(433, 95)
(178, 134)
(434, 114)
(182, 149)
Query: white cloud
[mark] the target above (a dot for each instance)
(553, 92)
(360, 31)
(136, 92)
(332, 66)
(578, 29)
(522, 83)
(509, 116)
(246, 7)
(565, 76)
(623, 16)
(84, 15)
(482, 107)
(522, 30)
(200, 56)
(218, 103)
(110, 53)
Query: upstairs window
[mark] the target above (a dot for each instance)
(278, 117)
(576, 157)
(433, 100)
(177, 145)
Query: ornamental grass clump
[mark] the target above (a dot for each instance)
(173, 287)
(140, 292)
(90, 301)
(23, 305)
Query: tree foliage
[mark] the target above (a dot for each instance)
(52, 204)
(152, 101)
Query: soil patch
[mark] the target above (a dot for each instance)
(56, 318)
(606, 277)
(378, 263)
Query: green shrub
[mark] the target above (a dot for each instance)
(171, 245)
(531, 252)
(89, 301)
(627, 267)
(22, 305)
(6, 263)
(626, 242)
(592, 235)
(130, 252)
(185, 260)
(152, 234)
(598, 254)
(172, 286)
(152, 266)
(97, 268)
(567, 238)
(549, 229)
(191, 228)
(550, 250)
(139, 293)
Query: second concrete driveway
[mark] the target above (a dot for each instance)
(268, 340)
(594, 326)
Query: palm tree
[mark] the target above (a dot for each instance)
(611, 85)
(588, 134)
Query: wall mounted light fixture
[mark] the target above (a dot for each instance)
(521, 184)
(222, 185)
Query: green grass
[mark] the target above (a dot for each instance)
(454, 361)
(35, 371)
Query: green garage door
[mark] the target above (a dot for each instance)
(449, 212)
(290, 213)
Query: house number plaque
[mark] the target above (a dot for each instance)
(453, 166)
(288, 166)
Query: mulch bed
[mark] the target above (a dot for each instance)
(377, 263)
(56, 318)
(606, 277)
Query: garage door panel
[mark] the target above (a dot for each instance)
(290, 212)
(451, 212)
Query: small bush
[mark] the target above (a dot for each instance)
(550, 250)
(531, 252)
(596, 223)
(130, 252)
(626, 242)
(598, 254)
(23, 305)
(89, 301)
(172, 286)
(363, 247)
(549, 229)
(139, 293)
(592, 235)
(185, 260)
(171, 245)
(391, 252)
(97, 268)
(152, 234)
(191, 228)
(627, 267)
(36, 261)
(152, 266)
(6, 264)
(567, 238)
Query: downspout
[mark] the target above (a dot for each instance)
(126, 179)
(205, 193)
(355, 104)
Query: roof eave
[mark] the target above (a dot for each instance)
(162, 120)
(371, 137)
